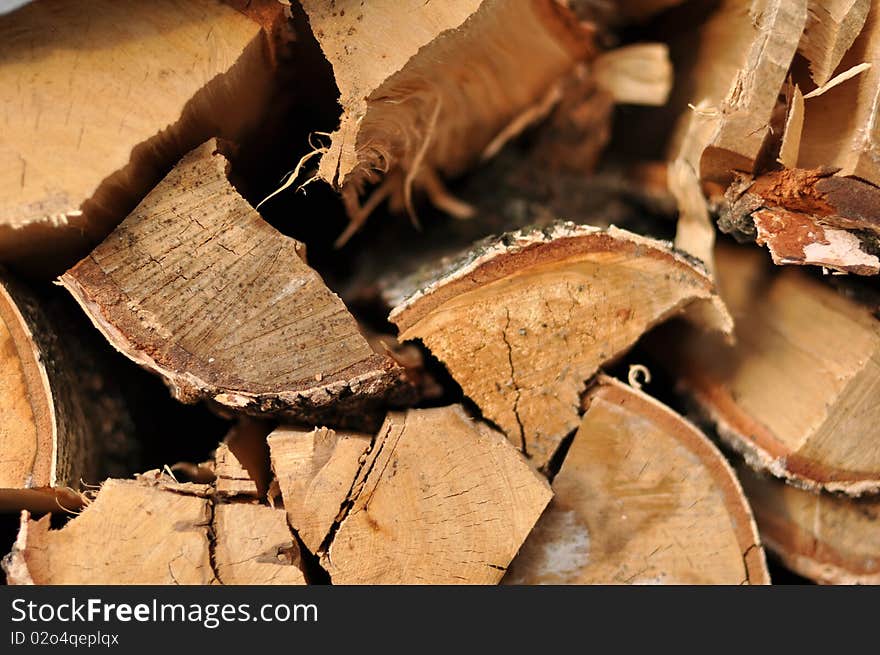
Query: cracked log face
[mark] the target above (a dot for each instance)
(58, 426)
(809, 217)
(437, 499)
(195, 62)
(131, 533)
(426, 88)
(828, 538)
(797, 394)
(254, 546)
(196, 287)
(524, 322)
(643, 497)
(315, 471)
(154, 530)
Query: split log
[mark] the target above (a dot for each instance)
(523, 322)
(426, 89)
(61, 423)
(743, 56)
(808, 217)
(154, 530)
(797, 394)
(166, 76)
(315, 470)
(196, 287)
(133, 532)
(241, 462)
(437, 499)
(832, 27)
(828, 538)
(849, 146)
(254, 546)
(642, 497)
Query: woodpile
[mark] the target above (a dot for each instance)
(458, 279)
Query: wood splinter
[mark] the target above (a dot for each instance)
(196, 287)
(643, 497)
(524, 322)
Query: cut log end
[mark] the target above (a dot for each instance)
(196, 287)
(642, 498)
(577, 295)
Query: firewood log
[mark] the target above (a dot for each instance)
(797, 393)
(642, 497)
(63, 421)
(121, 90)
(828, 538)
(521, 323)
(196, 287)
(435, 498)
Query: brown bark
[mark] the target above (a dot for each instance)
(196, 287)
(62, 422)
(523, 322)
(797, 393)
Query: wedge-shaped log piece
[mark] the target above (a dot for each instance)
(426, 88)
(58, 425)
(832, 27)
(254, 546)
(809, 217)
(797, 395)
(133, 532)
(851, 145)
(523, 322)
(195, 286)
(643, 497)
(315, 472)
(741, 60)
(101, 99)
(829, 538)
(441, 499)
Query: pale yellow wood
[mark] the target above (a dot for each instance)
(442, 499)
(522, 324)
(196, 287)
(832, 27)
(131, 533)
(315, 471)
(639, 74)
(20, 439)
(642, 498)
(426, 87)
(828, 538)
(794, 127)
(797, 394)
(254, 546)
(849, 140)
(100, 98)
(745, 112)
(232, 478)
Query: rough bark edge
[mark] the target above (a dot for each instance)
(742, 518)
(498, 257)
(760, 449)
